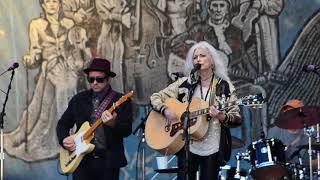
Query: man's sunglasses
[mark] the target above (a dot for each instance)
(98, 79)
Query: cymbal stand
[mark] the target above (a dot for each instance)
(308, 132)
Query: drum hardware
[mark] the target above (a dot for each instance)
(298, 118)
(308, 132)
(297, 170)
(267, 158)
(315, 146)
(229, 173)
(239, 157)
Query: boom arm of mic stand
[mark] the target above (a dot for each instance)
(5, 101)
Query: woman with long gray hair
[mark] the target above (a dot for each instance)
(211, 82)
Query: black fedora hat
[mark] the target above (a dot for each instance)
(100, 64)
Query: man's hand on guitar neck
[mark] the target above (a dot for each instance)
(108, 118)
(170, 115)
(68, 143)
(215, 113)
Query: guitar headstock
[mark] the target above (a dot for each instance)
(252, 100)
(124, 98)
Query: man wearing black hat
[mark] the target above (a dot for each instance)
(108, 156)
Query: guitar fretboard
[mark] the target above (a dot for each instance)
(250, 100)
(221, 107)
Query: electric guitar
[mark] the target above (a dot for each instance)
(70, 160)
(167, 138)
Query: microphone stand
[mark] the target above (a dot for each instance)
(142, 141)
(1, 75)
(186, 125)
(3, 113)
(3, 72)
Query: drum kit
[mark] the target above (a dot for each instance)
(267, 157)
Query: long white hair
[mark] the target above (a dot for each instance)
(218, 58)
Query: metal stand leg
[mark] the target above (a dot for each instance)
(310, 158)
(143, 158)
(237, 175)
(2, 154)
(309, 134)
(318, 152)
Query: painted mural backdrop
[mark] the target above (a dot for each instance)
(146, 42)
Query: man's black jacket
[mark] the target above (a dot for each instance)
(79, 110)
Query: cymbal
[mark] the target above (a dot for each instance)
(313, 146)
(298, 118)
(236, 142)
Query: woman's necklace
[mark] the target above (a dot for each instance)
(206, 79)
(201, 91)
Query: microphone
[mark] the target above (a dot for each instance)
(13, 66)
(310, 68)
(195, 68)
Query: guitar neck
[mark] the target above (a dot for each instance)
(97, 124)
(99, 121)
(205, 111)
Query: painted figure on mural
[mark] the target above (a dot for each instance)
(78, 10)
(83, 13)
(56, 83)
(117, 17)
(218, 31)
(259, 18)
(79, 53)
(176, 10)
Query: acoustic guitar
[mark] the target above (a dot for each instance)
(70, 160)
(167, 138)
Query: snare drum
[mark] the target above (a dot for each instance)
(267, 157)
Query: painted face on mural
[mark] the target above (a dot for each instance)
(201, 56)
(98, 81)
(218, 10)
(51, 6)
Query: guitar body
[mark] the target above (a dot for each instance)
(69, 161)
(170, 141)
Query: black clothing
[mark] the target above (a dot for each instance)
(94, 169)
(209, 166)
(79, 110)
